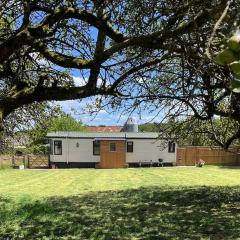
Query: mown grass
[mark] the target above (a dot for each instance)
(167, 203)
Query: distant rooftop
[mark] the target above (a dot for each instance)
(104, 129)
(148, 135)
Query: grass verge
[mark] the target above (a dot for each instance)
(121, 204)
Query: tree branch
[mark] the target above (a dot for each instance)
(29, 95)
(137, 68)
(67, 13)
(62, 59)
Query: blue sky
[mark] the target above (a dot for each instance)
(103, 117)
(76, 108)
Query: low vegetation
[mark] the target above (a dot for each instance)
(165, 203)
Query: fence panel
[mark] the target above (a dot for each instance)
(18, 160)
(190, 155)
(5, 161)
(38, 161)
(180, 157)
(29, 161)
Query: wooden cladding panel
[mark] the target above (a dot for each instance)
(190, 155)
(115, 159)
(180, 161)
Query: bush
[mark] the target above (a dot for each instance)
(34, 149)
(40, 149)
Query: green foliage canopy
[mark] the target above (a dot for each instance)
(63, 122)
(142, 51)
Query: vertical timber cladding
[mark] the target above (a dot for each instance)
(181, 152)
(188, 156)
(110, 159)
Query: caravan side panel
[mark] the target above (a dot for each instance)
(63, 156)
(75, 150)
(81, 150)
(150, 150)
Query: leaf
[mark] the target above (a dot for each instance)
(234, 43)
(236, 90)
(235, 67)
(235, 84)
(225, 57)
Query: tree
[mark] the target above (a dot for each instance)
(132, 52)
(193, 131)
(62, 122)
(106, 42)
(189, 84)
(37, 134)
(27, 117)
(66, 123)
(149, 127)
(20, 122)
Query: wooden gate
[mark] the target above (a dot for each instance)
(189, 156)
(19, 160)
(38, 161)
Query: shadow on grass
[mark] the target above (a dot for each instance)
(233, 167)
(147, 213)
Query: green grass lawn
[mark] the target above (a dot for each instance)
(146, 203)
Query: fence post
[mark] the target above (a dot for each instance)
(28, 161)
(13, 161)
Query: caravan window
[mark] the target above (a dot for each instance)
(58, 147)
(171, 147)
(96, 148)
(129, 146)
(112, 147)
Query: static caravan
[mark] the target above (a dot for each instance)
(109, 150)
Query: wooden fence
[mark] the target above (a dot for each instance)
(189, 156)
(5, 161)
(38, 161)
(29, 161)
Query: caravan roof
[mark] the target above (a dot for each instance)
(124, 135)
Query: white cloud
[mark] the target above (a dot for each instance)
(102, 111)
(79, 81)
(99, 82)
(40, 60)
